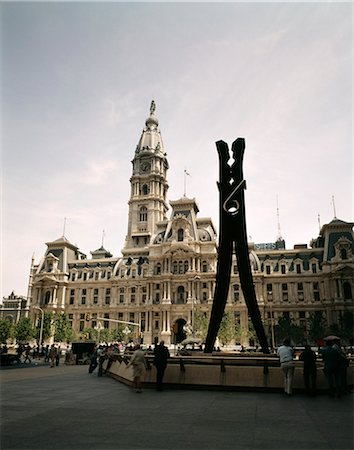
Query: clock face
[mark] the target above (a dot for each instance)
(145, 166)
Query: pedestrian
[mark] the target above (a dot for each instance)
(139, 365)
(101, 356)
(343, 367)
(331, 360)
(161, 355)
(19, 351)
(308, 356)
(46, 353)
(57, 356)
(93, 360)
(287, 364)
(27, 354)
(52, 355)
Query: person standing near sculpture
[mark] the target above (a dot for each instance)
(161, 355)
(308, 356)
(139, 364)
(332, 364)
(287, 364)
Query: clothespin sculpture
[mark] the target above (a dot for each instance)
(233, 235)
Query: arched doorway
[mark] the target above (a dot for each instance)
(178, 332)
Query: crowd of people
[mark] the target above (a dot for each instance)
(335, 363)
(334, 359)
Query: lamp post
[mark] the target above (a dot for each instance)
(272, 325)
(42, 321)
(99, 328)
(194, 297)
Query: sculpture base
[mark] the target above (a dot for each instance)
(222, 373)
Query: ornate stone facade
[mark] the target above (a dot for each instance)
(168, 265)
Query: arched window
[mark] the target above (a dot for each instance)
(180, 294)
(47, 297)
(145, 189)
(158, 269)
(343, 253)
(180, 234)
(143, 214)
(347, 290)
(204, 266)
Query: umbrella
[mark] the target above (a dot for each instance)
(331, 338)
(191, 340)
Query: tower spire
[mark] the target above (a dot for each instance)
(148, 200)
(279, 236)
(334, 207)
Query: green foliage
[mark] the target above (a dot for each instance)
(227, 329)
(105, 335)
(62, 328)
(6, 330)
(346, 324)
(316, 326)
(117, 334)
(201, 324)
(286, 328)
(47, 326)
(23, 330)
(241, 334)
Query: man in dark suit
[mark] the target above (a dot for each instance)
(161, 355)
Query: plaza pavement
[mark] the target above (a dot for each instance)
(66, 408)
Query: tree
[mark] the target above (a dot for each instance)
(346, 323)
(62, 328)
(118, 333)
(227, 329)
(105, 335)
(316, 326)
(6, 330)
(286, 328)
(23, 330)
(47, 326)
(241, 334)
(201, 323)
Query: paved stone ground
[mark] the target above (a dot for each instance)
(66, 408)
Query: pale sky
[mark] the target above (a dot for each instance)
(77, 82)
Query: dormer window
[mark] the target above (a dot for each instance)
(343, 253)
(180, 235)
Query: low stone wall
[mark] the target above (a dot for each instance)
(229, 373)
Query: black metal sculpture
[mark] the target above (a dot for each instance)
(233, 233)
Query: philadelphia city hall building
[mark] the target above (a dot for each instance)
(167, 269)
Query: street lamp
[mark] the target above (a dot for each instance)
(272, 325)
(194, 296)
(42, 321)
(99, 328)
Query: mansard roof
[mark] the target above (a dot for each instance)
(61, 242)
(101, 253)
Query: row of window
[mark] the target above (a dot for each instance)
(91, 275)
(283, 268)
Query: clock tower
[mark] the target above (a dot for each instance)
(148, 197)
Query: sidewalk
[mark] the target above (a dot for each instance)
(66, 408)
